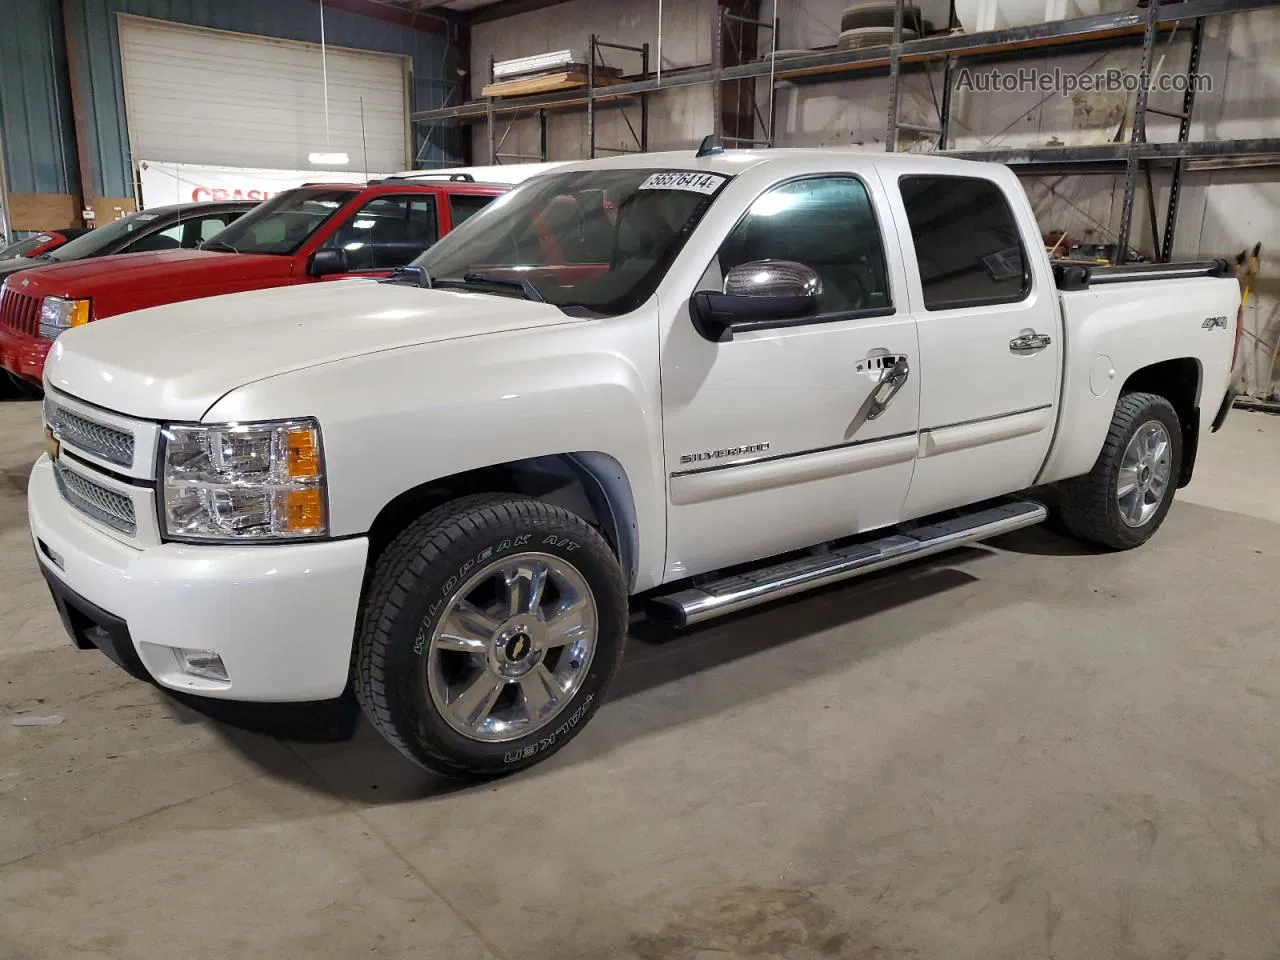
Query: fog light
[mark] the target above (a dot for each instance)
(202, 663)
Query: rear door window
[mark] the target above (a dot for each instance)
(462, 207)
(967, 243)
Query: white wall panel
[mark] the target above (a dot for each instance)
(195, 95)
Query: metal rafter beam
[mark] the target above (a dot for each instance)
(1059, 33)
(1118, 152)
(508, 8)
(437, 22)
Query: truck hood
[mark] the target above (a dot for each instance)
(100, 278)
(174, 362)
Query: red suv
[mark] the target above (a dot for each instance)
(315, 232)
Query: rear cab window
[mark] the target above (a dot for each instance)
(968, 246)
(464, 206)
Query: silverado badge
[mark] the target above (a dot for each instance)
(702, 455)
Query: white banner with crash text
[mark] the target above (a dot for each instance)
(164, 183)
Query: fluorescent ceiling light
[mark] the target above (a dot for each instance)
(322, 159)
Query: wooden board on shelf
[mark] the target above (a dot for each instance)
(545, 83)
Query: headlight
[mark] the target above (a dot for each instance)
(58, 314)
(244, 481)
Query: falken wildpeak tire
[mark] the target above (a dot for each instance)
(1091, 507)
(878, 13)
(424, 574)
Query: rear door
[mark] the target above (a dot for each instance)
(990, 344)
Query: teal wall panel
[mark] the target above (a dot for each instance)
(35, 104)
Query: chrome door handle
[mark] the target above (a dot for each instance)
(1029, 342)
(891, 381)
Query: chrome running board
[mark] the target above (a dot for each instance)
(730, 594)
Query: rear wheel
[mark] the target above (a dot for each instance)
(492, 629)
(1123, 500)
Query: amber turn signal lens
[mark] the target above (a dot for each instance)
(304, 511)
(79, 313)
(303, 454)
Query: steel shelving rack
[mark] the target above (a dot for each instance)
(1133, 159)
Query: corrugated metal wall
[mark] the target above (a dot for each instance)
(35, 106)
(35, 111)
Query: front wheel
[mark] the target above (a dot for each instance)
(22, 387)
(492, 628)
(1123, 500)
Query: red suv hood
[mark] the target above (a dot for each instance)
(133, 281)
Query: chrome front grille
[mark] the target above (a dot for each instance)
(109, 443)
(106, 506)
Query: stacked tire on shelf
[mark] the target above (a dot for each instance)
(869, 23)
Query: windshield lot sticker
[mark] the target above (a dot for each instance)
(693, 182)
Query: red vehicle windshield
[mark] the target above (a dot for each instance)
(282, 224)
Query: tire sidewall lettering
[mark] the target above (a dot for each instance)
(545, 743)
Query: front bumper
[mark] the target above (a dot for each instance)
(282, 618)
(23, 355)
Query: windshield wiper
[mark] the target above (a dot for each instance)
(527, 289)
(411, 275)
(218, 245)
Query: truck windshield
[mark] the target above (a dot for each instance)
(282, 224)
(591, 242)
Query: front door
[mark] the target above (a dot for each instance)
(387, 232)
(990, 346)
(769, 442)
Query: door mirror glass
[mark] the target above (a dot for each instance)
(756, 294)
(325, 263)
(773, 278)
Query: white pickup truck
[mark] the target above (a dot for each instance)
(702, 381)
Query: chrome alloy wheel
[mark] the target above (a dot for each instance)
(512, 647)
(1145, 470)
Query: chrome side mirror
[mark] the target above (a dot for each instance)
(773, 278)
(756, 296)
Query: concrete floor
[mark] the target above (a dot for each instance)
(1024, 751)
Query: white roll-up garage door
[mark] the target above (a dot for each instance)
(195, 95)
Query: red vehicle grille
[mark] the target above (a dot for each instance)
(19, 312)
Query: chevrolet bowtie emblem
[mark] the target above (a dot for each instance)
(51, 444)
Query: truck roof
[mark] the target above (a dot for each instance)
(736, 161)
(438, 183)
